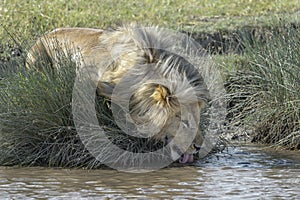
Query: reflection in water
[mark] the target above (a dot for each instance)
(236, 174)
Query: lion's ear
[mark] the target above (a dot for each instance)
(160, 94)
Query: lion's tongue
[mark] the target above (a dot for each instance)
(187, 158)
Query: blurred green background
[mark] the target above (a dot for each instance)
(27, 18)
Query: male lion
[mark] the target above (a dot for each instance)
(164, 83)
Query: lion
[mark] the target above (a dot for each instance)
(139, 54)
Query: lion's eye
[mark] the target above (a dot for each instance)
(167, 139)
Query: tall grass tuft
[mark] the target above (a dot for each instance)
(265, 90)
(36, 120)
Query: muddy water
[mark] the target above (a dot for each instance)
(237, 173)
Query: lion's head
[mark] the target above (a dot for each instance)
(165, 100)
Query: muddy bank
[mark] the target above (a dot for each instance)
(9, 51)
(224, 42)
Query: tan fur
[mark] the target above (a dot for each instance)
(113, 53)
(160, 94)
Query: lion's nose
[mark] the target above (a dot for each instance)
(197, 147)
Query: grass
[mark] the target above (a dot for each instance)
(27, 20)
(265, 88)
(36, 117)
(31, 18)
(36, 126)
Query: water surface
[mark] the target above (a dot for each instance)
(237, 173)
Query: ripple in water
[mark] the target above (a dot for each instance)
(237, 173)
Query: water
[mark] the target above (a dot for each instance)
(247, 172)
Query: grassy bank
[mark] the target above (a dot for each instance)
(36, 126)
(26, 17)
(23, 21)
